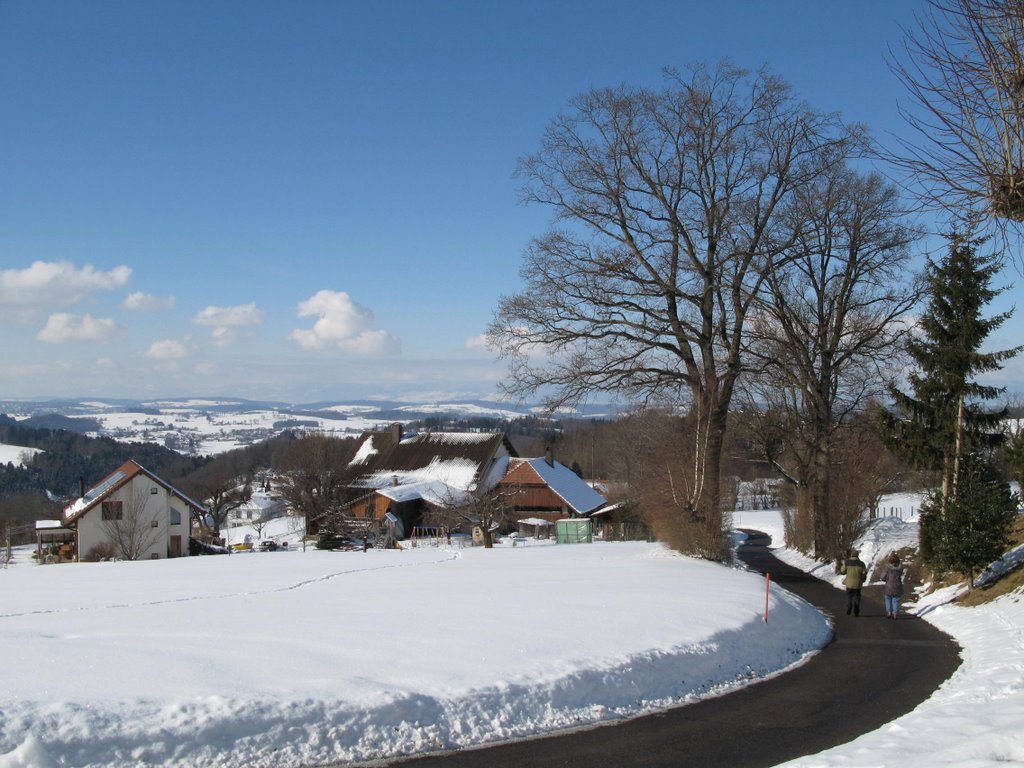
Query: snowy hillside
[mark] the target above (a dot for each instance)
(296, 658)
(15, 454)
(211, 425)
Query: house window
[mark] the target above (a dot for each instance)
(156, 523)
(175, 517)
(112, 510)
(154, 491)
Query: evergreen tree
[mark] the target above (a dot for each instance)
(944, 418)
(973, 528)
(943, 425)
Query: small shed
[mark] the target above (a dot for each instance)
(54, 541)
(537, 527)
(574, 531)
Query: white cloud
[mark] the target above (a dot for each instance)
(226, 321)
(63, 327)
(480, 343)
(230, 317)
(343, 324)
(167, 349)
(145, 302)
(50, 284)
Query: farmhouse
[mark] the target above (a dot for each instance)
(132, 514)
(406, 474)
(543, 489)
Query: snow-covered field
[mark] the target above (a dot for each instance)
(292, 658)
(15, 454)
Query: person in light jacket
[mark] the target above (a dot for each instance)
(856, 574)
(893, 586)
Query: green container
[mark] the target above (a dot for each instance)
(573, 532)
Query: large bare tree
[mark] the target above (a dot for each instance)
(963, 66)
(671, 206)
(315, 478)
(825, 333)
(223, 488)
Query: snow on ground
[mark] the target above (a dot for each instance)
(294, 658)
(975, 719)
(16, 454)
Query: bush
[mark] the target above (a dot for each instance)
(103, 551)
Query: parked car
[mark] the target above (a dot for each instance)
(268, 546)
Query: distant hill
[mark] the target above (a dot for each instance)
(70, 458)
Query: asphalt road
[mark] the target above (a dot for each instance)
(874, 671)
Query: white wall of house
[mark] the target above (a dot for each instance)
(162, 517)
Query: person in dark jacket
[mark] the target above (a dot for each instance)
(893, 586)
(856, 574)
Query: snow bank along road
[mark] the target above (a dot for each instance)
(874, 671)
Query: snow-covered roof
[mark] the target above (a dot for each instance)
(363, 454)
(45, 525)
(434, 492)
(464, 461)
(456, 473)
(573, 490)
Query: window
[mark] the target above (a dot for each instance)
(154, 491)
(155, 523)
(175, 517)
(112, 510)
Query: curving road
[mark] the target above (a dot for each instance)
(874, 671)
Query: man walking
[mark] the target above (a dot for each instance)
(856, 574)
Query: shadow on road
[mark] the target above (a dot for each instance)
(874, 671)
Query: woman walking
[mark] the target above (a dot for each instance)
(893, 586)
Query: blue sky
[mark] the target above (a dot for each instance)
(315, 200)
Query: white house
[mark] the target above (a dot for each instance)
(132, 514)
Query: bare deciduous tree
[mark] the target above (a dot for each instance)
(672, 205)
(315, 476)
(826, 330)
(964, 68)
(132, 530)
(222, 490)
(488, 511)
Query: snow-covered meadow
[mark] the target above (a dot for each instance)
(16, 454)
(290, 658)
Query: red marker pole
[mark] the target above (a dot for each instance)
(767, 585)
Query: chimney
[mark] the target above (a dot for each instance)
(549, 456)
(394, 481)
(81, 487)
(396, 433)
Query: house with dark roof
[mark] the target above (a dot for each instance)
(544, 489)
(405, 474)
(132, 514)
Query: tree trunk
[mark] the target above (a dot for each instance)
(706, 498)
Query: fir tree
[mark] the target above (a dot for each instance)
(973, 526)
(945, 418)
(943, 425)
